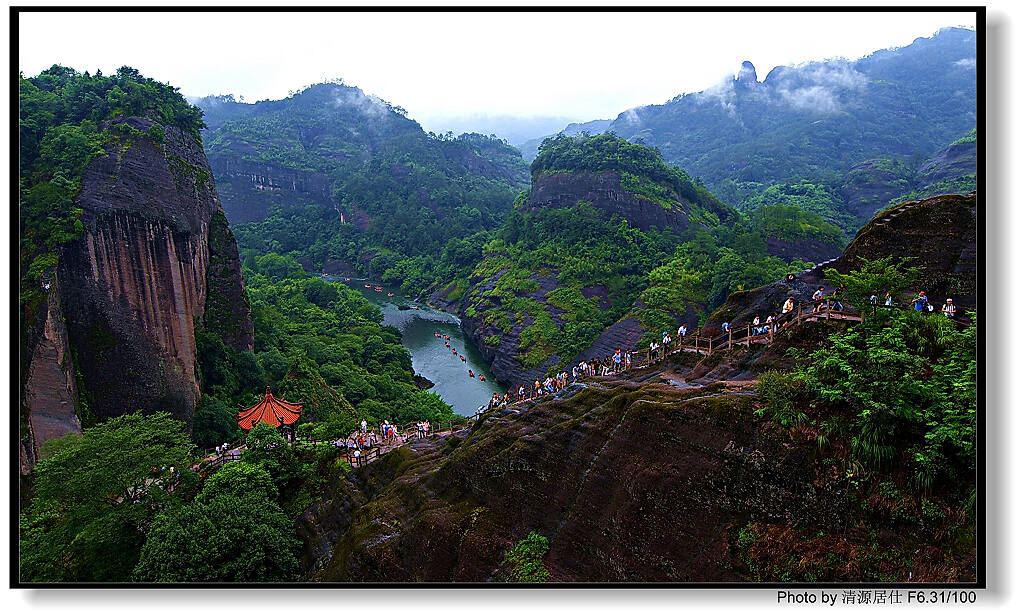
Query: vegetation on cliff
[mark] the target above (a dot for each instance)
(892, 404)
(62, 114)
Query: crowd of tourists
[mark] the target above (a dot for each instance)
(920, 303)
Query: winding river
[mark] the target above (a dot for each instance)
(430, 358)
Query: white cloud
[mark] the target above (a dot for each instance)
(815, 98)
(456, 64)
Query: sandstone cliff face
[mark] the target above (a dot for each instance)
(604, 190)
(249, 188)
(49, 384)
(154, 253)
(628, 483)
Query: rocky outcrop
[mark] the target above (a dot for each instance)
(250, 188)
(49, 384)
(574, 469)
(938, 234)
(954, 161)
(156, 258)
(871, 184)
(604, 191)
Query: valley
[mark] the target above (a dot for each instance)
(180, 264)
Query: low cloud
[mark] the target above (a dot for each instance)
(967, 62)
(369, 105)
(631, 116)
(723, 93)
(815, 99)
(817, 88)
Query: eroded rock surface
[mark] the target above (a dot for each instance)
(628, 482)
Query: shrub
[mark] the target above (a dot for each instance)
(777, 390)
(526, 559)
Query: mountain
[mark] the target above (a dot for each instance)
(849, 130)
(611, 245)
(125, 254)
(817, 120)
(352, 185)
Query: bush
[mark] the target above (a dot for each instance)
(526, 559)
(777, 391)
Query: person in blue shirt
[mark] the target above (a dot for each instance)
(921, 302)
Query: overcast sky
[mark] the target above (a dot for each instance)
(436, 65)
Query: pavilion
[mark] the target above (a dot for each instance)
(275, 412)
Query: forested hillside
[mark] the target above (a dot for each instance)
(346, 180)
(610, 234)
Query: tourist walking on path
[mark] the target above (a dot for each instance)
(949, 309)
(921, 302)
(819, 296)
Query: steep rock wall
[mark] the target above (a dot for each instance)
(613, 508)
(137, 282)
(604, 190)
(249, 188)
(49, 384)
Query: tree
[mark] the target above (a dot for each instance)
(97, 493)
(874, 278)
(233, 531)
(911, 381)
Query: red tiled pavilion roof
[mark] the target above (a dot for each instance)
(271, 410)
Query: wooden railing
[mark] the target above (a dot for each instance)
(747, 334)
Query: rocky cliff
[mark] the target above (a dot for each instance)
(939, 234)
(155, 254)
(494, 312)
(628, 481)
(872, 184)
(251, 188)
(605, 192)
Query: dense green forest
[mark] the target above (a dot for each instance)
(409, 198)
(120, 503)
(317, 343)
(583, 247)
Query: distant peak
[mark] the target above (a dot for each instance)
(747, 73)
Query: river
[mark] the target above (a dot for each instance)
(430, 358)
